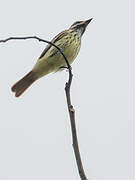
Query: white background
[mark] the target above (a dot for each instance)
(35, 136)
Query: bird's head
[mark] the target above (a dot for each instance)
(80, 26)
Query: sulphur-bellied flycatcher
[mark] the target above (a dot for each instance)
(51, 60)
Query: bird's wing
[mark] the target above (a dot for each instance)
(54, 40)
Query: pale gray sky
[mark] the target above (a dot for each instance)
(35, 136)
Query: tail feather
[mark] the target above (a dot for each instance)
(19, 87)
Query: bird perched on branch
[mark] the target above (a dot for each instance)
(51, 60)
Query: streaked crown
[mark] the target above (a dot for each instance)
(80, 26)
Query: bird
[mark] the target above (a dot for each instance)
(51, 60)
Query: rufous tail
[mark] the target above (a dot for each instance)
(19, 87)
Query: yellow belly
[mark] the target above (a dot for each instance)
(53, 60)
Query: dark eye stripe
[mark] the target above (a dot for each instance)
(77, 22)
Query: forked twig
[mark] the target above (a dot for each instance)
(70, 107)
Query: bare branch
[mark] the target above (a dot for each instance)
(39, 39)
(70, 106)
(73, 128)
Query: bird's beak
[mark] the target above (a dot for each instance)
(87, 22)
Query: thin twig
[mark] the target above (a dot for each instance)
(70, 107)
(73, 127)
(39, 39)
